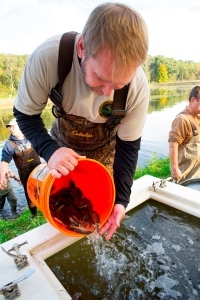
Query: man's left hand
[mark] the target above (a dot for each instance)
(113, 222)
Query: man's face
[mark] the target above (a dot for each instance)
(14, 129)
(196, 105)
(98, 73)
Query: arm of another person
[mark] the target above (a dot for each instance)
(3, 171)
(128, 140)
(124, 169)
(173, 154)
(6, 157)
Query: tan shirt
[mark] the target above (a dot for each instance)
(40, 76)
(181, 129)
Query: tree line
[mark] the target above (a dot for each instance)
(158, 69)
(11, 68)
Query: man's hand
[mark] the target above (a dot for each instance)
(173, 153)
(176, 174)
(63, 161)
(3, 182)
(113, 222)
(3, 171)
(11, 174)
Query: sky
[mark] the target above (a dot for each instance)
(173, 25)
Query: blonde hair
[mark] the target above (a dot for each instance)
(119, 28)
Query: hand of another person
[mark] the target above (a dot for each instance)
(3, 182)
(11, 174)
(3, 179)
(113, 222)
(176, 174)
(63, 161)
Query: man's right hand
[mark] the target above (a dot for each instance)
(176, 174)
(63, 161)
(3, 182)
(173, 153)
(3, 171)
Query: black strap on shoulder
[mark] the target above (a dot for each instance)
(65, 58)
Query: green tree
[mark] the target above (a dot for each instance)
(158, 69)
(11, 68)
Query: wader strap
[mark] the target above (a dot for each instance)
(194, 127)
(15, 146)
(118, 111)
(65, 58)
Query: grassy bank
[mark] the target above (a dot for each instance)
(15, 227)
(158, 167)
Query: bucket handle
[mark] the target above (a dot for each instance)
(37, 185)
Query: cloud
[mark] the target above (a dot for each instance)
(173, 33)
(172, 25)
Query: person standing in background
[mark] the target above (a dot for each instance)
(8, 193)
(184, 140)
(17, 147)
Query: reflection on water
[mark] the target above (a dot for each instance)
(164, 104)
(154, 255)
(155, 132)
(167, 97)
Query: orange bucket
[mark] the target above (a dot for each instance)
(89, 175)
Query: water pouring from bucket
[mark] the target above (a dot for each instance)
(76, 203)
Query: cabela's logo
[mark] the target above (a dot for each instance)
(81, 134)
(105, 109)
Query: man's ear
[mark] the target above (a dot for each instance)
(80, 47)
(192, 99)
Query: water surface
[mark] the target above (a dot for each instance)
(154, 255)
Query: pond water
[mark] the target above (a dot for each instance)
(164, 104)
(153, 255)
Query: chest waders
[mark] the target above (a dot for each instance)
(89, 139)
(94, 140)
(25, 161)
(189, 155)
